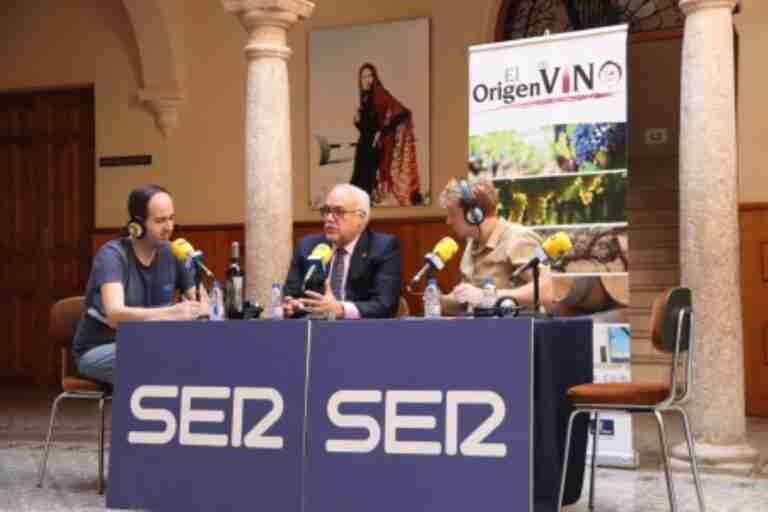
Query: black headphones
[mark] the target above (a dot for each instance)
(504, 307)
(473, 214)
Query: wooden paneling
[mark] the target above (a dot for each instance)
(652, 208)
(653, 214)
(417, 237)
(653, 239)
(652, 194)
(764, 344)
(753, 220)
(764, 259)
(653, 263)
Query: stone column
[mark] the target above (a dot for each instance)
(268, 171)
(709, 236)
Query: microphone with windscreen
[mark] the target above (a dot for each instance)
(192, 259)
(436, 260)
(185, 253)
(551, 250)
(318, 260)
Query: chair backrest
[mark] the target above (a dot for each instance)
(62, 325)
(666, 319)
(64, 317)
(672, 331)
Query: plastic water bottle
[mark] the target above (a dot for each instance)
(432, 300)
(488, 301)
(276, 304)
(217, 302)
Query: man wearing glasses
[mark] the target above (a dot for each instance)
(364, 272)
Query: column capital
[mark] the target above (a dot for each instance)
(267, 23)
(690, 6)
(165, 106)
(302, 8)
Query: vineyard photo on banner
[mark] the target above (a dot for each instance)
(548, 124)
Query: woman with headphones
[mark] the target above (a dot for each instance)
(495, 248)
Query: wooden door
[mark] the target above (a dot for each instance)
(46, 197)
(754, 295)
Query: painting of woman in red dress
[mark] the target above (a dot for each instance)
(385, 155)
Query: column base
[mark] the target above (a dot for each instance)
(733, 459)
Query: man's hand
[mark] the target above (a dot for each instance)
(190, 310)
(291, 306)
(325, 304)
(205, 302)
(468, 294)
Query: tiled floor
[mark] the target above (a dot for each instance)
(71, 485)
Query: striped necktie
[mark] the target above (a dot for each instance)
(337, 273)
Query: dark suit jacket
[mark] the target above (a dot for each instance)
(373, 279)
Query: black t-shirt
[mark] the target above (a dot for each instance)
(144, 287)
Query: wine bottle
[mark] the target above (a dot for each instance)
(234, 285)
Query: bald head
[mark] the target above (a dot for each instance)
(349, 210)
(360, 198)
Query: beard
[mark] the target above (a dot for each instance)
(157, 242)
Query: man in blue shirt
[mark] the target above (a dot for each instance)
(134, 277)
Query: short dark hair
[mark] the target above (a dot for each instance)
(138, 200)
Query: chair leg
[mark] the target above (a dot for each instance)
(565, 457)
(692, 454)
(665, 457)
(49, 439)
(595, 442)
(101, 446)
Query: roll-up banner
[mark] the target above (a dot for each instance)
(548, 123)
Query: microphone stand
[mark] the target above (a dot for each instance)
(537, 313)
(427, 276)
(198, 281)
(430, 275)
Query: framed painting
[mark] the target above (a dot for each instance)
(369, 111)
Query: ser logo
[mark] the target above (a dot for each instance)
(256, 437)
(473, 445)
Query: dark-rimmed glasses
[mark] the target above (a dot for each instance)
(337, 211)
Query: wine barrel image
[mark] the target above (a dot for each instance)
(591, 294)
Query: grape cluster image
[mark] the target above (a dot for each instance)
(592, 146)
(549, 150)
